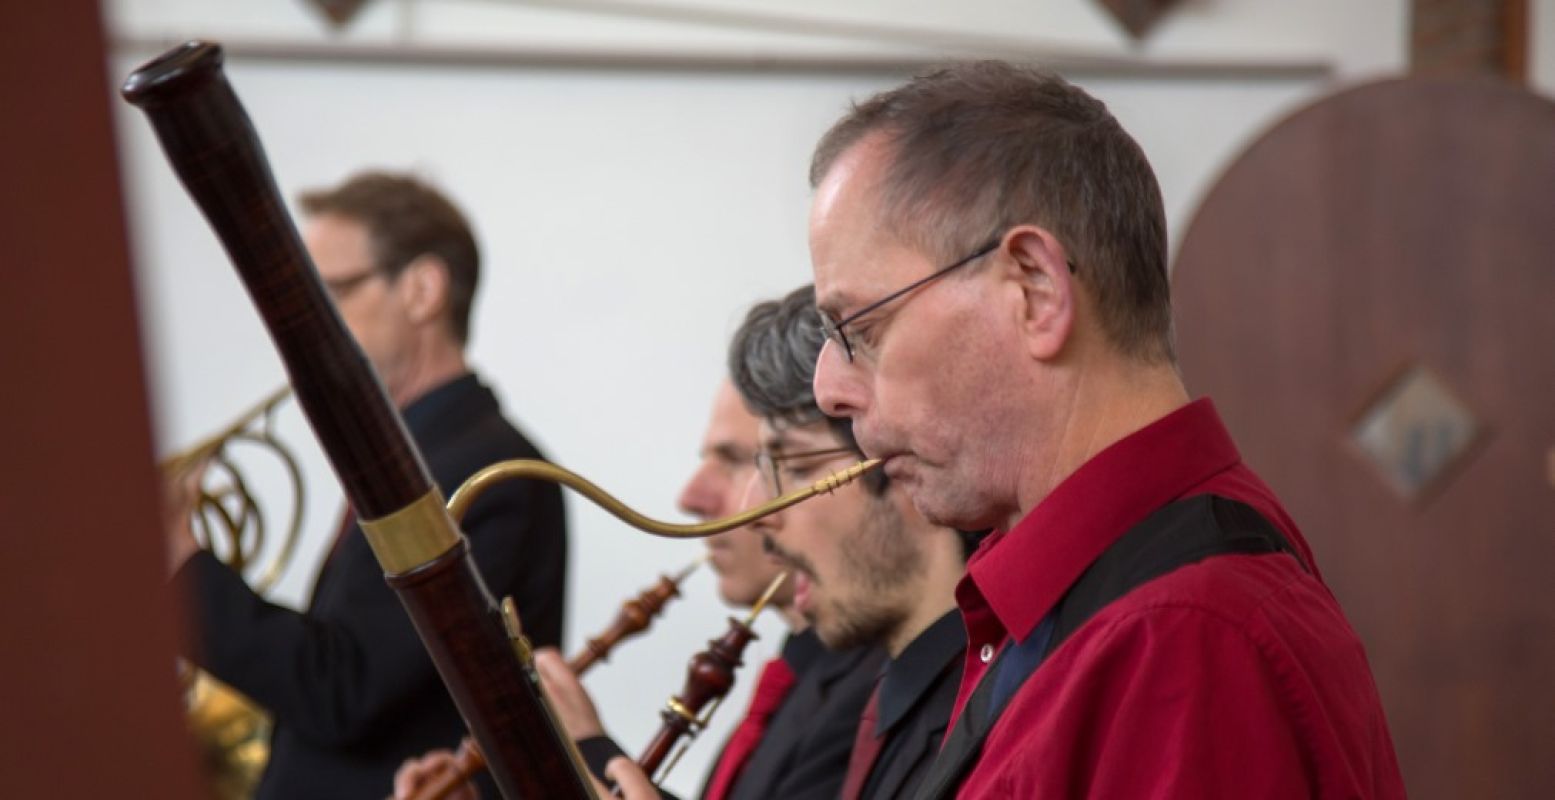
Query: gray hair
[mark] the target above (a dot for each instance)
(983, 146)
(772, 364)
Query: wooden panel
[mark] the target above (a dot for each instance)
(1467, 37)
(1403, 226)
(91, 705)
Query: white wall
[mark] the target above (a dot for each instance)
(630, 215)
(1541, 46)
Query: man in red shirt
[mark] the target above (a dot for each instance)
(990, 260)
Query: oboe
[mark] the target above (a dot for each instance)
(635, 617)
(708, 680)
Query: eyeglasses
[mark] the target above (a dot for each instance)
(768, 464)
(339, 288)
(834, 329)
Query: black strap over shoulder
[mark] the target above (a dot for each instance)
(1182, 533)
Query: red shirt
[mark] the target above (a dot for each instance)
(1237, 676)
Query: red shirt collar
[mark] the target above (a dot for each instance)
(1044, 554)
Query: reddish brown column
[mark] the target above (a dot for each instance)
(91, 705)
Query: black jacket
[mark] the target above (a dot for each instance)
(352, 692)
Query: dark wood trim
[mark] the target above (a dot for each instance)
(605, 59)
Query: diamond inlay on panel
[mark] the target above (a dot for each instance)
(1415, 431)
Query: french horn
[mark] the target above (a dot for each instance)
(231, 731)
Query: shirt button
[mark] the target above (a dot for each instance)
(986, 654)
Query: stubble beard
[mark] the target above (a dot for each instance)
(862, 625)
(884, 565)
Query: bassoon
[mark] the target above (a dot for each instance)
(635, 616)
(212, 146)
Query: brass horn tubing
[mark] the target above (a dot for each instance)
(201, 450)
(267, 438)
(233, 525)
(213, 448)
(517, 469)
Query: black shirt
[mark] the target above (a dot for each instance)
(917, 694)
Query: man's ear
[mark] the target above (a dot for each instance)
(423, 285)
(1039, 264)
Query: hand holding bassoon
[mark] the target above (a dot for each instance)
(708, 680)
(439, 774)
